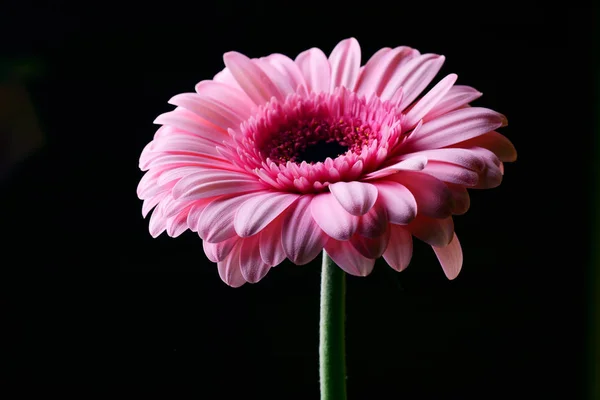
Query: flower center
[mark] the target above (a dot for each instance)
(313, 140)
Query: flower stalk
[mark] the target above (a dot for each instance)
(332, 357)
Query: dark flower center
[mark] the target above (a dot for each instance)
(314, 141)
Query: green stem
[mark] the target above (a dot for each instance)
(332, 357)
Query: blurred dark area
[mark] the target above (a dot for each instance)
(92, 307)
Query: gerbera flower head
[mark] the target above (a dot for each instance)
(277, 158)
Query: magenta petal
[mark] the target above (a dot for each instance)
(257, 212)
(454, 127)
(253, 80)
(435, 232)
(457, 97)
(315, 69)
(432, 195)
(356, 197)
(345, 64)
(216, 252)
(271, 247)
(332, 218)
(450, 257)
(252, 266)
(428, 102)
(215, 224)
(371, 247)
(229, 268)
(399, 249)
(399, 201)
(345, 256)
(302, 238)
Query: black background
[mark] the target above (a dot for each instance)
(93, 307)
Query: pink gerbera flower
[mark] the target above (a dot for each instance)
(278, 158)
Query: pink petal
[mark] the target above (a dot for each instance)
(432, 196)
(413, 77)
(371, 247)
(316, 69)
(399, 249)
(416, 163)
(202, 163)
(186, 144)
(174, 175)
(356, 197)
(232, 97)
(435, 232)
(375, 222)
(147, 186)
(369, 75)
(226, 77)
(345, 64)
(216, 252)
(170, 157)
(158, 221)
(457, 97)
(209, 184)
(229, 268)
(466, 158)
(283, 82)
(302, 238)
(454, 127)
(495, 142)
(460, 199)
(195, 212)
(207, 109)
(215, 224)
(452, 173)
(450, 257)
(380, 68)
(270, 242)
(253, 80)
(287, 67)
(252, 266)
(399, 202)
(177, 224)
(151, 202)
(332, 218)
(345, 256)
(428, 102)
(491, 176)
(257, 212)
(172, 207)
(188, 121)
